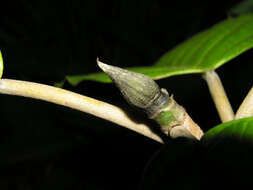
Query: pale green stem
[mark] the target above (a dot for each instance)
(219, 96)
(175, 122)
(75, 101)
(246, 108)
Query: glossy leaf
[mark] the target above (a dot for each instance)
(229, 153)
(205, 51)
(225, 156)
(241, 129)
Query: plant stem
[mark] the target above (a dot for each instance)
(75, 101)
(246, 108)
(219, 96)
(142, 92)
(175, 122)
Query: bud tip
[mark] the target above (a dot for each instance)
(101, 65)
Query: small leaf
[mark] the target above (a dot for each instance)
(241, 129)
(205, 51)
(99, 77)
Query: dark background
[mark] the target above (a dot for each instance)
(46, 146)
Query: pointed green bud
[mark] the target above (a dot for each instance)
(138, 89)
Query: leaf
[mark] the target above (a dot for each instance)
(227, 160)
(241, 129)
(1, 65)
(205, 51)
(229, 154)
(243, 7)
(214, 47)
(177, 165)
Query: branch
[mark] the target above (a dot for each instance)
(219, 96)
(75, 101)
(246, 108)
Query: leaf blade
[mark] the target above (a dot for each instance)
(241, 129)
(205, 51)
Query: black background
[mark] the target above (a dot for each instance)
(46, 146)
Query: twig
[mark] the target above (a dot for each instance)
(219, 96)
(246, 108)
(75, 101)
(142, 91)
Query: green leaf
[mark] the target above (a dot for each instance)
(1, 65)
(241, 129)
(175, 166)
(205, 51)
(229, 151)
(155, 72)
(243, 7)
